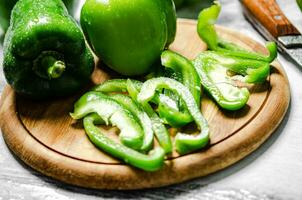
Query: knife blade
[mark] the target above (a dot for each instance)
(267, 17)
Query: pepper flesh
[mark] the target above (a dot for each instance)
(41, 31)
(207, 32)
(184, 143)
(220, 86)
(252, 71)
(144, 120)
(151, 162)
(133, 87)
(116, 85)
(184, 71)
(131, 133)
(223, 57)
(159, 129)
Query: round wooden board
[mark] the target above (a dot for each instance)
(45, 137)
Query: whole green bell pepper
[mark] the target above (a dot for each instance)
(45, 54)
(129, 35)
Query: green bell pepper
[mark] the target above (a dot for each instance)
(219, 85)
(187, 73)
(184, 143)
(205, 27)
(159, 129)
(115, 113)
(206, 30)
(129, 35)
(45, 54)
(299, 2)
(213, 66)
(151, 162)
(116, 85)
(247, 70)
(184, 72)
(140, 114)
(133, 87)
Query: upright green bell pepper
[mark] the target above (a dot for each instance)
(45, 54)
(129, 35)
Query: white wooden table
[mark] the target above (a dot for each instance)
(272, 172)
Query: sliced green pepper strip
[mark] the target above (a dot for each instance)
(206, 30)
(219, 85)
(185, 68)
(132, 87)
(120, 85)
(184, 143)
(254, 71)
(144, 120)
(152, 162)
(116, 85)
(270, 46)
(131, 133)
(168, 106)
(169, 111)
(205, 27)
(186, 73)
(159, 129)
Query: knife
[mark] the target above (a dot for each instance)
(267, 17)
(292, 12)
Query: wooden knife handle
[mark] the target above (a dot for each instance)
(269, 14)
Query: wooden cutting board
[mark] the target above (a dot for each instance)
(44, 136)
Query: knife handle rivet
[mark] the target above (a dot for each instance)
(278, 17)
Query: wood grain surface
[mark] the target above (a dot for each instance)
(269, 14)
(46, 138)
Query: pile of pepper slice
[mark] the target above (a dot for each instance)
(223, 58)
(171, 97)
(129, 106)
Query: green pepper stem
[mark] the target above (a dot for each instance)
(53, 67)
(49, 65)
(56, 70)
